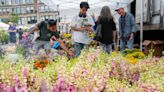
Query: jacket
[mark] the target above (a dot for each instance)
(129, 27)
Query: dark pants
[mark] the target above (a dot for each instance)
(12, 37)
(78, 47)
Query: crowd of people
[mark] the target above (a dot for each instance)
(81, 25)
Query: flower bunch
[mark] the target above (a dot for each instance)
(40, 63)
(66, 35)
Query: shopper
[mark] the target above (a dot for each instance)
(47, 31)
(108, 29)
(81, 24)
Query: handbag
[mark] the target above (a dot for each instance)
(98, 34)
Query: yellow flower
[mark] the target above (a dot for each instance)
(131, 59)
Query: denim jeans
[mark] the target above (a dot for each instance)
(78, 47)
(123, 42)
(106, 48)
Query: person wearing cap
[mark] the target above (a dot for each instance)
(127, 28)
(47, 30)
(80, 25)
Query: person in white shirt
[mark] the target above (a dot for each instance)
(80, 26)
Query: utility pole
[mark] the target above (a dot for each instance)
(37, 11)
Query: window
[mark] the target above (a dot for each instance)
(46, 17)
(28, 9)
(41, 8)
(21, 1)
(23, 10)
(8, 10)
(46, 8)
(22, 21)
(42, 18)
(31, 9)
(18, 10)
(29, 1)
(3, 10)
(31, 20)
(13, 1)
(16, 1)
(4, 2)
(0, 10)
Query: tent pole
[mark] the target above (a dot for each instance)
(141, 26)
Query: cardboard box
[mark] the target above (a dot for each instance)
(156, 45)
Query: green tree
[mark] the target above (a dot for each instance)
(14, 18)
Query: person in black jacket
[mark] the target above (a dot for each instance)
(108, 29)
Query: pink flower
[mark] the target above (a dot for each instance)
(25, 72)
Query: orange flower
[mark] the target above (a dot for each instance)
(45, 61)
(41, 64)
(36, 64)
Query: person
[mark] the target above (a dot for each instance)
(20, 32)
(127, 28)
(47, 30)
(12, 32)
(108, 29)
(80, 26)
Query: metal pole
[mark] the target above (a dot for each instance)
(141, 26)
(37, 14)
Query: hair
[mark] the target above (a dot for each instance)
(51, 22)
(105, 14)
(84, 5)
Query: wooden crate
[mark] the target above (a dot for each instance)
(157, 46)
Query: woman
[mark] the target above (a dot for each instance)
(108, 29)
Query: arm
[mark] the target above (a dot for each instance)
(120, 31)
(35, 28)
(71, 53)
(78, 29)
(63, 45)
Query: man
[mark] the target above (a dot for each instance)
(12, 32)
(127, 29)
(81, 24)
(47, 30)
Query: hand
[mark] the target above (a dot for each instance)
(25, 35)
(71, 53)
(131, 36)
(54, 38)
(88, 28)
(115, 47)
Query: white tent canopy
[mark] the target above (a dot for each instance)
(74, 4)
(4, 26)
(70, 8)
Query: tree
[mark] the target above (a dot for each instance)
(14, 18)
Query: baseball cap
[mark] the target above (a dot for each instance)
(84, 4)
(119, 6)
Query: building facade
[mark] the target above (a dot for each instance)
(29, 11)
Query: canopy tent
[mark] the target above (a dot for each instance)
(4, 26)
(69, 8)
(73, 4)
